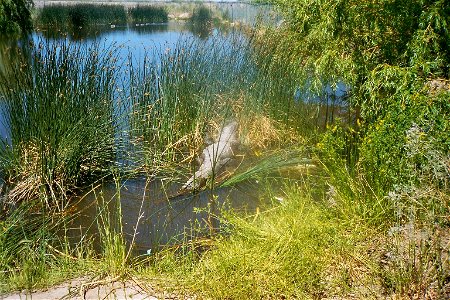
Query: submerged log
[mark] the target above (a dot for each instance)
(215, 156)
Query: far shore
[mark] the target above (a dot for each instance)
(42, 3)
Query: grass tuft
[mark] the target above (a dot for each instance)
(58, 110)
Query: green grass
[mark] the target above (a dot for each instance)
(297, 249)
(173, 103)
(85, 15)
(32, 254)
(148, 14)
(58, 108)
(81, 15)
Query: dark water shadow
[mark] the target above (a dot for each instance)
(155, 213)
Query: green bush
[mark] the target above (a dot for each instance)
(15, 16)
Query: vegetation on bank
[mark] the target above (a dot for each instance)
(15, 16)
(369, 218)
(148, 14)
(82, 15)
(378, 226)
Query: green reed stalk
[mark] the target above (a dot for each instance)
(148, 14)
(81, 15)
(59, 112)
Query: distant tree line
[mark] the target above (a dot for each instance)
(15, 16)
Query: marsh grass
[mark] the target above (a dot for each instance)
(58, 111)
(109, 223)
(66, 132)
(81, 15)
(286, 251)
(173, 102)
(32, 253)
(269, 164)
(198, 83)
(148, 14)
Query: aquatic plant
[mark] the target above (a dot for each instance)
(81, 15)
(174, 101)
(57, 105)
(148, 14)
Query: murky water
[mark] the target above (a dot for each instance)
(155, 213)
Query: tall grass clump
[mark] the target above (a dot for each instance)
(81, 15)
(148, 14)
(201, 16)
(32, 255)
(174, 101)
(199, 83)
(57, 104)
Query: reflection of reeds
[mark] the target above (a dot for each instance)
(201, 16)
(58, 109)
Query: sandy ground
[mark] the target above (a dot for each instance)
(81, 289)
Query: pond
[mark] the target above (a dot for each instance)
(154, 211)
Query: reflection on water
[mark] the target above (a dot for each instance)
(162, 215)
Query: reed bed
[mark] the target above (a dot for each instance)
(84, 15)
(57, 104)
(174, 100)
(148, 14)
(67, 97)
(177, 95)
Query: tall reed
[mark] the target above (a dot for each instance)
(184, 88)
(81, 15)
(178, 92)
(58, 108)
(148, 14)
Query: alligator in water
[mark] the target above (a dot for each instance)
(215, 156)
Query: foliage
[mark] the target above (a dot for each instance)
(388, 164)
(58, 109)
(296, 249)
(15, 16)
(409, 141)
(81, 15)
(201, 16)
(346, 40)
(385, 51)
(148, 14)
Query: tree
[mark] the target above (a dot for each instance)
(348, 39)
(15, 16)
(389, 53)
